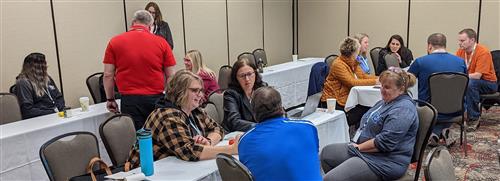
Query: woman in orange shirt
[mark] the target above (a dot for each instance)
(346, 73)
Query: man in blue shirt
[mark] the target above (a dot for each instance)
(278, 148)
(437, 60)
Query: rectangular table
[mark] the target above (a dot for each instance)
(291, 79)
(332, 128)
(20, 141)
(369, 95)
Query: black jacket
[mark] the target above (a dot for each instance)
(32, 105)
(237, 112)
(406, 58)
(163, 30)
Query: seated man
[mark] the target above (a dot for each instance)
(279, 148)
(482, 77)
(437, 60)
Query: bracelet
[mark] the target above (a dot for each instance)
(109, 100)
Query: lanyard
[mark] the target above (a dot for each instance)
(358, 132)
(51, 99)
(467, 59)
(196, 129)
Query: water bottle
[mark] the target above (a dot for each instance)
(145, 140)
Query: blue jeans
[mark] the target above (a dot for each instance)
(475, 88)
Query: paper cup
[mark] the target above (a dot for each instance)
(330, 104)
(84, 103)
(295, 58)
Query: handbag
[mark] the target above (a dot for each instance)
(98, 175)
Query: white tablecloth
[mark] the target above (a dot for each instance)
(332, 128)
(291, 79)
(20, 141)
(369, 95)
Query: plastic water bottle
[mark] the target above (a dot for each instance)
(144, 137)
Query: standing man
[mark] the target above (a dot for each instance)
(437, 60)
(140, 62)
(278, 148)
(482, 78)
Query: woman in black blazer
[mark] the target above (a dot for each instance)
(237, 110)
(159, 27)
(396, 47)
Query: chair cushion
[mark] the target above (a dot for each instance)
(495, 95)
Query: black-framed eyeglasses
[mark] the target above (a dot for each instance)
(245, 75)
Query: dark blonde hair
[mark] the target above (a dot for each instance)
(177, 88)
(35, 71)
(401, 78)
(360, 37)
(197, 61)
(349, 46)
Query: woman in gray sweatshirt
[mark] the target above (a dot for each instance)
(383, 145)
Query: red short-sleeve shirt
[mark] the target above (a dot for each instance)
(139, 58)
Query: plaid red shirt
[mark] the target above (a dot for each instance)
(172, 135)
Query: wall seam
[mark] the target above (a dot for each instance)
(57, 47)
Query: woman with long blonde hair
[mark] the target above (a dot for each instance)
(194, 63)
(36, 91)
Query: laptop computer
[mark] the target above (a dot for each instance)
(310, 107)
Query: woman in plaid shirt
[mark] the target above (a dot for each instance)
(180, 128)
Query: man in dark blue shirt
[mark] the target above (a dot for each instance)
(278, 148)
(437, 60)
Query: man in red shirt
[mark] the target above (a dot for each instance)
(139, 62)
(482, 77)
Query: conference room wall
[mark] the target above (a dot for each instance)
(23, 32)
(322, 24)
(391, 18)
(172, 13)
(244, 26)
(490, 24)
(278, 31)
(444, 16)
(83, 31)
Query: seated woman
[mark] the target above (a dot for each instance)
(346, 73)
(36, 91)
(383, 145)
(396, 47)
(180, 128)
(245, 78)
(362, 58)
(194, 63)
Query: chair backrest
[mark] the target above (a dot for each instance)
(444, 100)
(212, 112)
(495, 54)
(10, 111)
(260, 55)
(374, 53)
(217, 98)
(317, 77)
(427, 116)
(249, 56)
(224, 76)
(68, 155)
(330, 58)
(391, 60)
(12, 89)
(232, 169)
(95, 88)
(439, 165)
(118, 135)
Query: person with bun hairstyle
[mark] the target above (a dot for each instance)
(383, 145)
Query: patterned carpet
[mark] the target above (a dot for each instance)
(483, 159)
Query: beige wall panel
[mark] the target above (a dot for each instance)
(245, 26)
(278, 31)
(206, 30)
(322, 25)
(490, 24)
(444, 16)
(25, 27)
(379, 19)
(84, 29)
(172, 14)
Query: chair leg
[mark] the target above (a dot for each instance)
(461, 133)
(465, 141)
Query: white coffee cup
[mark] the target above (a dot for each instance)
(84, 103)
(330, 104)
(295, 58)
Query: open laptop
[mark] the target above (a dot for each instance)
(310, 107)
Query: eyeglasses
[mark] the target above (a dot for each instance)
(196, 90)
(245, 75)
